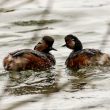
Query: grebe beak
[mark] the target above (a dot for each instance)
(51, 48)
(63, 45)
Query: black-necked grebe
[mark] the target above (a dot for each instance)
(80, 57)
(28, 59)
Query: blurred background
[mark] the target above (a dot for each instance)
(23, 23)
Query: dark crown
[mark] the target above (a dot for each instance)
(49, 40)
(70, 36)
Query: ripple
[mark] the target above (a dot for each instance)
(34, 22)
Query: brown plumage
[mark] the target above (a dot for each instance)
(80, 57)
(28, 59)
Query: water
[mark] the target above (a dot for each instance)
(23, 23)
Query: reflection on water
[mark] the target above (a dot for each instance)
(82, 78)
(32, 22)
(23, 23)
(30, 82)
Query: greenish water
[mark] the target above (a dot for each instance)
(23, 23)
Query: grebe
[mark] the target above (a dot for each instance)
(28, 59)
(80, 57)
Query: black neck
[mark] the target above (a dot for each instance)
(78, 46)
(46, 50)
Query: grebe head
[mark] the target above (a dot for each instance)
(45, 45)
(72, 42)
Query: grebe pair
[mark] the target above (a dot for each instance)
(41, 59)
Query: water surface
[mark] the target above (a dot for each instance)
(23, 23)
